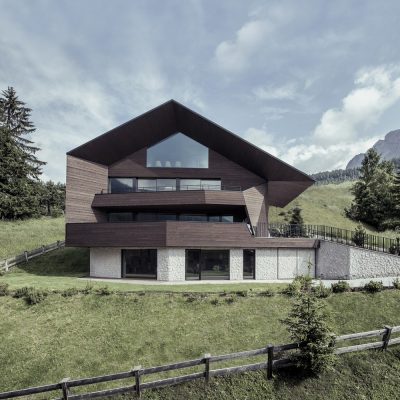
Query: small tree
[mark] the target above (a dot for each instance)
(359, 236)
(296, 219)
(307, 323)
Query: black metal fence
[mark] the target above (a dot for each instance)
(338, 235)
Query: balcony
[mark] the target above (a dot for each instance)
(174, 234)
(206, 198)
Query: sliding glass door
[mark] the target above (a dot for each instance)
(207, 264)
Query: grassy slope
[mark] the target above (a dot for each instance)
(89, 335)
(18, 236)
(325, 205)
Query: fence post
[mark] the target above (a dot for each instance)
(207, 367)
(270, 350)
(42, 248)
(58, 244)
(6, 265)
(386, 337)
(64, 388)
(26, 255)
(136, 372)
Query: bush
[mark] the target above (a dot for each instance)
(373, 287)
(230, 299)
(104, 291)
(35, 296)
(266, 293)
(4, 289)
(321, 291)
(396, 283)
(300, 283)
(214, 302)
(191, 298)
(22, 292)
(242, 293)
(88, 288)
(359, 236)
(340, 287)
(70, 292)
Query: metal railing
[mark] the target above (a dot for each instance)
(330, 233)
(175, 189)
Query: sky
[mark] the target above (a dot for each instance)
(311, 82)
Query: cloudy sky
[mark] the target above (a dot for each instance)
(313, 82)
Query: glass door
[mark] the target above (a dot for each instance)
(140, 263)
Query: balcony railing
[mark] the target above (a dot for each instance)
(332, 234)
(181, 188)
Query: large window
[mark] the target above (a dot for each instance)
(249, 264)
(121, 185)
(200, 184)
(177, 151)
(121, 217)
(207, 264)
(141, 263)
(147, 185)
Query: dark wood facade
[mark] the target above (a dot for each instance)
(260, 180)
(175, 234)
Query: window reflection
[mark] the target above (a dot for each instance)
(177, 151)
(120, 185)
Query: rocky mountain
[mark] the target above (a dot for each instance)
(389, 148)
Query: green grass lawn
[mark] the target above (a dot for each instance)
(325, 205)
(88, 335)
(18, 236)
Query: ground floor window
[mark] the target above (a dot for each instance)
(249, 264)
(139, 263)
(207, 264)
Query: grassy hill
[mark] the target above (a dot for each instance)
(325, 205)
(18, 236)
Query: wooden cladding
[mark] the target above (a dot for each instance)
(84, 179)
(175, 234)
(255, 199)
(230, 173)
(170, 198)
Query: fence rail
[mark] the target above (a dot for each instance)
(338, 235)
(272, 363)
(27, 255)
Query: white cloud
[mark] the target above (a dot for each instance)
(261, 138)
(377, 89)
(235, 55)
(285, 92)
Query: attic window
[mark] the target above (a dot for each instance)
(177, 151)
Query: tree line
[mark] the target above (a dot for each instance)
(22, 193)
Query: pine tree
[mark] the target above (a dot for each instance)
(373, 200)
(307, 323)
(19, 167)
(396, 194)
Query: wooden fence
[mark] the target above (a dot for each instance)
(273, 362)
(27, 255)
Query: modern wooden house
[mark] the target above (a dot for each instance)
(173, 196)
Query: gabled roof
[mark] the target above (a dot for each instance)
(171, 117)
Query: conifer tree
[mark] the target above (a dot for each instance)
(19, 167)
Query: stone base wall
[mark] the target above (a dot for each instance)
(338, 261)
(105, 262)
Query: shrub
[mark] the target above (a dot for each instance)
(88, 288)
(321, 291)
(4, 289)
(104, 291)
(242, 293)
(396, 283)
(22, 292)
(214, 302)
(340, 287)
(359, 236)
(191, 298)
(373, 286)
(230, 299)
(70, 292)
(34, 296)
(266, 293)
(300, 283)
